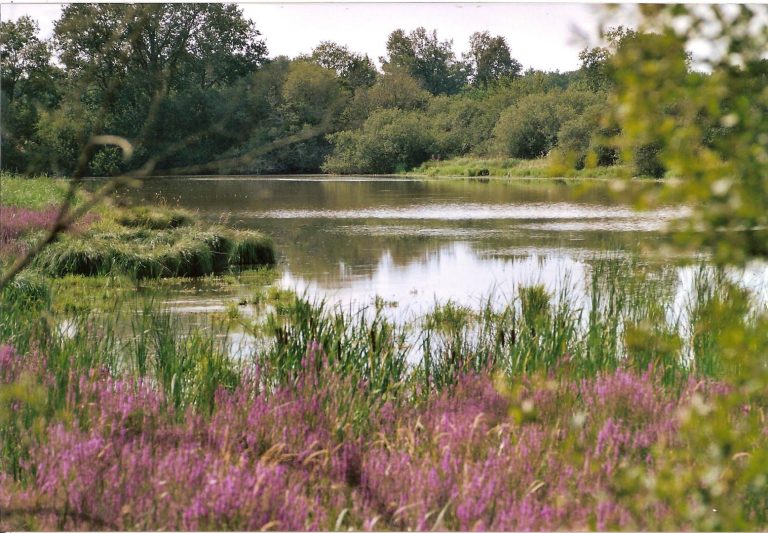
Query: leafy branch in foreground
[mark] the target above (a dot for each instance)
(711, 129)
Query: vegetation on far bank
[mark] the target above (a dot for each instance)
(224, 106)
(511, 168)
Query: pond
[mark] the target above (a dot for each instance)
(403, 245)
(413, 242)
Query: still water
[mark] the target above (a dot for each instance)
(415, 242)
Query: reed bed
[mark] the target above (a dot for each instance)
(545, 413)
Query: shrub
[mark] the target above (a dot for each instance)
(529, 129)
(390, 140)
(646, 159)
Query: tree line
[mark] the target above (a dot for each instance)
(192, 89)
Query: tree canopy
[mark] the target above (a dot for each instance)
(427, 59)
(490, 59)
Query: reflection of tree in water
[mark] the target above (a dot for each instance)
(262, 195)
(319, 245)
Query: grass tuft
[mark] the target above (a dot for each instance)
(144, 253)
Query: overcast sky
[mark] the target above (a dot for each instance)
(546, 36)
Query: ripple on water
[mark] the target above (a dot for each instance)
(473, 211)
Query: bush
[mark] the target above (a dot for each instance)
(646, 159)
(390, 140)
(529, 129)
(461, 125)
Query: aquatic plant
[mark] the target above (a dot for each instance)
(144, 253)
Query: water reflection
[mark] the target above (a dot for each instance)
(415, 242)
(451, 272)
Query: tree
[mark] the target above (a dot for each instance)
(585, 141)
(530, 128)
(715, 479)
(131, 66)
(596, 68)
(167, 46)
(393, 90)
(490, 59)
(30, 87)
(311, 93)
(23, 56)
(390, 140)
(353, 69)
(461, 124)
(710, 130)
(429, 61)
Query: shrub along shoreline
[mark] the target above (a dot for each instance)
(501, 167)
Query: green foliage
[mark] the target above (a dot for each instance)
(490, 59)
(392, 90)
(29, 88)
(596, 70)
(461, 125)
(709, 129)
(310, 93)
(530, 128)
(390, 140)
(23, 56)
(354, 70)
(169, 46)
(646, 160)
(429, 61)
(203, 97)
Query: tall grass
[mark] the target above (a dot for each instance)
(143, 253)
(627, 319)
(31, 193)
(131, 417)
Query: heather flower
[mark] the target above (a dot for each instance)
(286, 457)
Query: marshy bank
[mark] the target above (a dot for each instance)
(141, 242)
(128, 417)
(546, 411)
(507, 167)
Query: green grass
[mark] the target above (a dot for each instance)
(508, 168)
(31, 193)
(144, 253)
(139, 242)
(28, 288)
(154, 217)
(133, 333)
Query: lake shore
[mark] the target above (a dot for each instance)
(119, 412)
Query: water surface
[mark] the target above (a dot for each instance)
(414, 242)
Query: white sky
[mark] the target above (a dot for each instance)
(546, 36)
